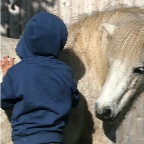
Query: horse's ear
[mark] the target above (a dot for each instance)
(109, 28)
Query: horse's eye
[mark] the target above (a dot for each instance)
(139, 70)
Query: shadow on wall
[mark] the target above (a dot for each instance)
(69, 57)
(78, 71)
(16, 13)
(111, 128)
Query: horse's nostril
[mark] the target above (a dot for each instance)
(103, 113)
(107, 113)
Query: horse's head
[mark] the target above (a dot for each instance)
(125, 52)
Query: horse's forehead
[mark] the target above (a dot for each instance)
(127, 44)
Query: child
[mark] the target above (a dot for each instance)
(40, 88)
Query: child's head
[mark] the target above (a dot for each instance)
(44, 35)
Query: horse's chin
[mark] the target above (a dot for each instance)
(112, 119)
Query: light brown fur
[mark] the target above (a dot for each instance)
(88, 40)
(86, 52)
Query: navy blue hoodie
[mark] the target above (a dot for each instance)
(40, 88)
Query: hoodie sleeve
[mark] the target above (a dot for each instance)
(7, 93)
(75, 95)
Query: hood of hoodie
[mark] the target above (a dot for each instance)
(44, 35)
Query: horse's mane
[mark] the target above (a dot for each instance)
(91, 38)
